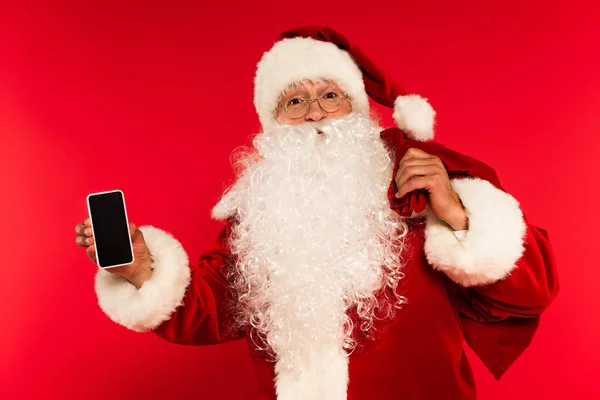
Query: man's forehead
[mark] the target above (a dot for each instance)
(306, 85)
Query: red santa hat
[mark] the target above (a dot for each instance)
(318, 52)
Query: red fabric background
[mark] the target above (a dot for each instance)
(151, 99)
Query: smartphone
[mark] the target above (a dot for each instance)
(110, 227)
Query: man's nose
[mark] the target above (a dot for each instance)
(315, 112)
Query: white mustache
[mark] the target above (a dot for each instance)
(320, 127)
(326, 126)
(326, 132)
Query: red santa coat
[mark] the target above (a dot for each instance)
(489, 287)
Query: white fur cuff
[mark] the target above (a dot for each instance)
(146, 308)
(491, 246)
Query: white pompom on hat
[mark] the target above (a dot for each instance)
(317, 52)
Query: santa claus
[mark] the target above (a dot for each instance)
(353, 259)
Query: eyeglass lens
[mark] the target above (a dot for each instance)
(329, 99)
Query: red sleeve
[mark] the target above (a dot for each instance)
(503, 272)
(208, 310)
(525, 293)
(500, 319)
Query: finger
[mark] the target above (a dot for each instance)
(435, 161)
(410, 171)
(84, 228)
(87, 222)
(84, 241)
(83, 231)
(132, 229)
(80, 240)
(91, 252)
(413, 152)
(419, 161)
(419, 182)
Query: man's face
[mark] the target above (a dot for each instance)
(325, 90)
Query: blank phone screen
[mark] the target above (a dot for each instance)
(111, 232)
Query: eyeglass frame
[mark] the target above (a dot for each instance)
(310, 101)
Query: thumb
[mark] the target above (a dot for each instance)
(132, 228)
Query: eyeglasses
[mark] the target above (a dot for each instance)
(330, 100)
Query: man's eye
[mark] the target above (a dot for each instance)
(295, 101)
(330, 95)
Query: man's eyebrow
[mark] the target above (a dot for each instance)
(293, 92)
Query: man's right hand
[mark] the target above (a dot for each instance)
(137, 272)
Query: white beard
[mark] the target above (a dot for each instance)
(315, 236)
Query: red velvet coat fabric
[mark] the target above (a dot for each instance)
(419, 354)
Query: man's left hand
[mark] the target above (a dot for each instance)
(421, 170)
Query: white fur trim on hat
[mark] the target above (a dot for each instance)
(146, 308)
(414, 115)
(296, 59)
(491, 246)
